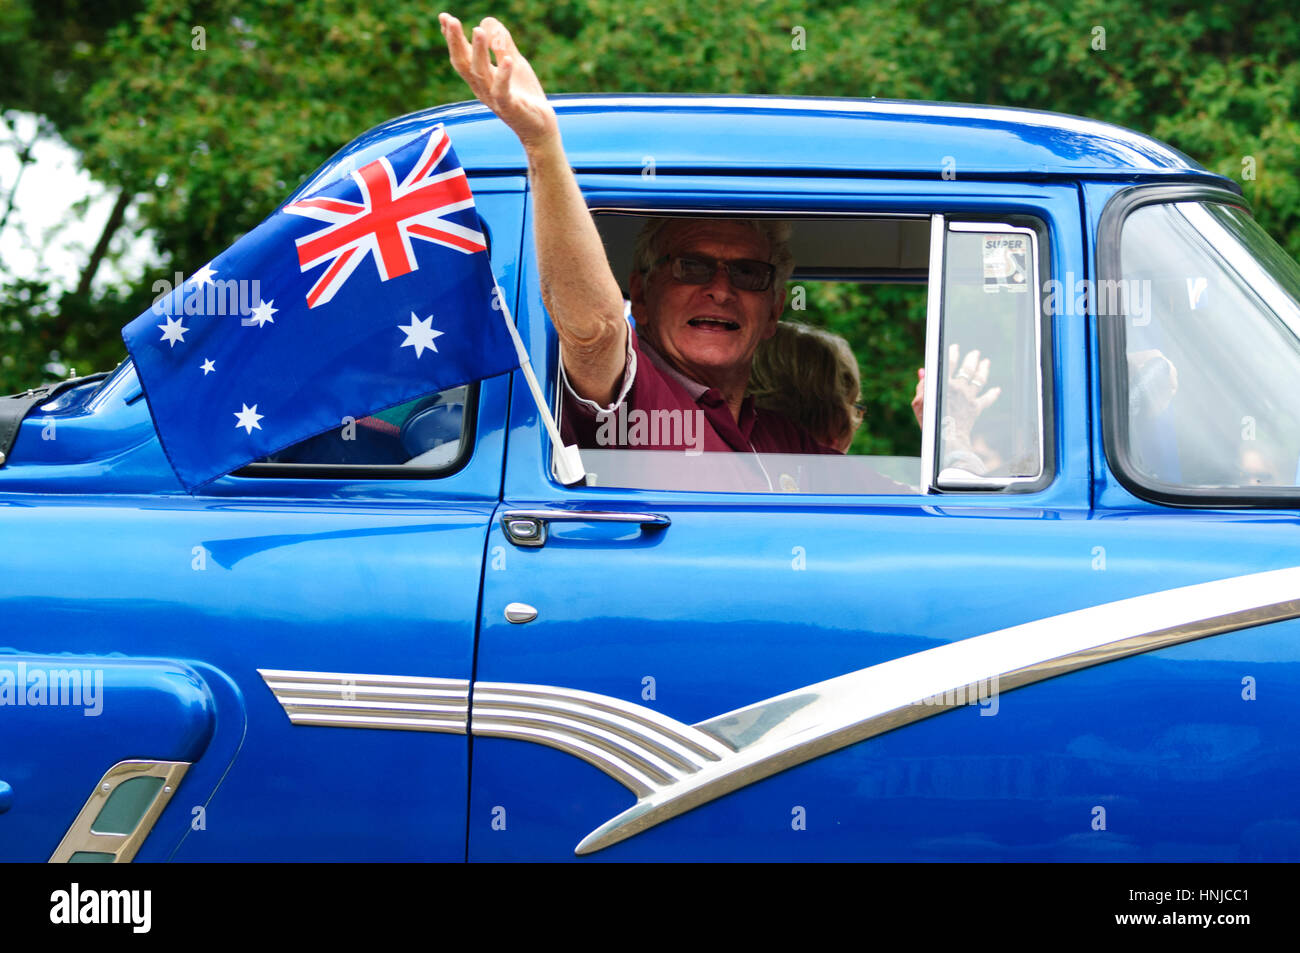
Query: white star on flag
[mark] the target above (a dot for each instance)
(173, 331)
(203, 276)
(248, 419)
(420, 334)
(208, 367)
(262, 313)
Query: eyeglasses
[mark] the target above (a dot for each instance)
(745, 274)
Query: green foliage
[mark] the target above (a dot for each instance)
(212, 111)
(46, 336)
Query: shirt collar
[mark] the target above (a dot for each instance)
(694, 388)
(700, 393)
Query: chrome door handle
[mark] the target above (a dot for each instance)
(528, 527)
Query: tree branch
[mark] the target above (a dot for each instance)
(114, 222)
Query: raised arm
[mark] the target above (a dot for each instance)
(578, 288)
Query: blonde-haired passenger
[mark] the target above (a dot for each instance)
(810, 376)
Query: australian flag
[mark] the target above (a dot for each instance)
(367, 293)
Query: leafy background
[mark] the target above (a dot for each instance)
(198, 146)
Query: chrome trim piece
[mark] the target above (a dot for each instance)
(520, 612)
(796, 727)
(934, 299)
(956, 480)
(343, 700)
(524, 531)
(590, 516)
(123, 847)
(983, 227)
(529, 527)
(787, 214)
(640, 748)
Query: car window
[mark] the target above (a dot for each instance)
(428, 436)
(862, 285)
(990, 385)
(1212, 349)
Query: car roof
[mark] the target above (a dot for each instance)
(759, 134)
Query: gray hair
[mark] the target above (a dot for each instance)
(649, 242)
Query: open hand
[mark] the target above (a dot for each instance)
(508, 87)
(963, 398)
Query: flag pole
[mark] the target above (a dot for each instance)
(568, 461)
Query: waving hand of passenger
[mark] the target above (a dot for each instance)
(580, 292)
(508, 87)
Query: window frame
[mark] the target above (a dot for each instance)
(1113, 367)
(927, 484)
(941, 227)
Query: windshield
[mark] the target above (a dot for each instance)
(1212, 348)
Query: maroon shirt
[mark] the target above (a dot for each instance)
(663, 409)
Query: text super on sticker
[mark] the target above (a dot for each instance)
(1005, 263)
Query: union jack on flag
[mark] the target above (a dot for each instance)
(321, 337)
(389, 215)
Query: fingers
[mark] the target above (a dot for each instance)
(501, 78)
(985, 401)
(480, 60)
(501, 41)
(457, 47)
(971, 370)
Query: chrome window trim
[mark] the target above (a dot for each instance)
(769, 212)
(80, 836)
(933, 329)
(973, 481)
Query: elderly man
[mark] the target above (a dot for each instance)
(704, 292)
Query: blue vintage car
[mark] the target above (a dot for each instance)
(414, 642)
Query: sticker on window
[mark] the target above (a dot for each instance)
(1005, 258)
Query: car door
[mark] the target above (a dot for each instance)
(641, 674)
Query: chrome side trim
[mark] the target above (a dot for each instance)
(123, 847)
(344, 700)
(640, 748)
(790, 729)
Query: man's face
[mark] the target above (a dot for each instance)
(708, 331)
